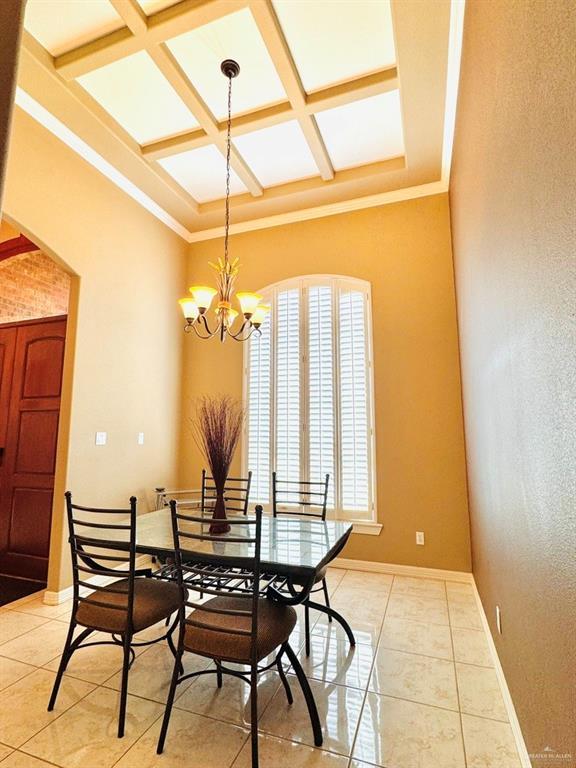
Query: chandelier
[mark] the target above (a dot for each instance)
(195, 308)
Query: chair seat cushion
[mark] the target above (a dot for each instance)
(275, 623)
(153, 600)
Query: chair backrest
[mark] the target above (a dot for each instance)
(235, 576)
(95, 534)
(236, 493)
(303, 498)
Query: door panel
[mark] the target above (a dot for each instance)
(7, 347)
(43, 368)
(30, 522)
(27, 470)
(36, 440)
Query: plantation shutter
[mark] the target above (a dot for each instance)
(309, 393)
(259, 423)
(287, 368)
(354, 402)
(321, 395)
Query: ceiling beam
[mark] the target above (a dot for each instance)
(132, 15)
(172, 71)
(86, 118)
(327, 98)
(292, 188)
(271, 32)
(161, 26)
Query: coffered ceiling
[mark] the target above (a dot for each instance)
(338, 102)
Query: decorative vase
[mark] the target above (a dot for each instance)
(219, 522)
(217, 427)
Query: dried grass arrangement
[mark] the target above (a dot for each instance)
(217, 426)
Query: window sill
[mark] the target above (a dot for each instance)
(366, 528)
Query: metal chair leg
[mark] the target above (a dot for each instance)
(171, 645)
(169, 703)
(307, 627)
(64, 659)
(254, 713)
(308, 695)
(283, 677)
(218, 673)
(127, 640)
(326, 597)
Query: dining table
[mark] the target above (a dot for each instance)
(294, 552)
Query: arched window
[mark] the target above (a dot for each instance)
(308, 392)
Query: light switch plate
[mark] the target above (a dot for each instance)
(101, 438)
(140, 438)
(420, 538)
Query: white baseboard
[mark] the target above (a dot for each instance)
(509, 704)
(55, 598)
(401, 570)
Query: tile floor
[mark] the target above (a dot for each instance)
(418, 691)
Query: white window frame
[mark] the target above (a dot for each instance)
(337, 283)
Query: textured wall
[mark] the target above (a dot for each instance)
(124, 341)
(32, 286)
(513, 213)
(404, 251)
(11, 14)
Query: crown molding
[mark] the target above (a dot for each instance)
(320, 211)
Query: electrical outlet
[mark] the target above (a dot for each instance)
(420, 538)
(498, 620)
(140, 438)
(101, 438)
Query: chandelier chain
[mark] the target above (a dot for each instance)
(228, 142)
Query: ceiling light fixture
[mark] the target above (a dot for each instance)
(196, 307)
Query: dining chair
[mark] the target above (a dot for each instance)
(236, 625)
(236, 493)
(304, 499)
(103, 546)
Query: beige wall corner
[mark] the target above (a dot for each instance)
(11, 14)
(404, 251)
(124, 346)
(513, 220)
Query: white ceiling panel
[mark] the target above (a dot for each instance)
(364, 131)
(60, 25)
(202, 173)
(136, 94)
(278, 154)
(236, 36)
(155, 6)
(332, 41)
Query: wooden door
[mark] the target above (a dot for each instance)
(29, 438)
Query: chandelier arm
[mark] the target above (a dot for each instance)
(209, 333)
(238, 336)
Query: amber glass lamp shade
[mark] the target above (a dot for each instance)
(248, 302)
(189, 308)
(260, 314)
(202, 295)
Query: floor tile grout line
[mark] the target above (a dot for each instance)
(388, 595)
(457, 689)
(371, 673)
(21, 747)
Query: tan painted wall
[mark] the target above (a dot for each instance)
(11, 16)
(124, 346)
(32, 285)
(404, 251)
(513, 217)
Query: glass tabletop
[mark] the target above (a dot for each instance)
(289, 546)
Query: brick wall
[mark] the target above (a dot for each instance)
(32, 286)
